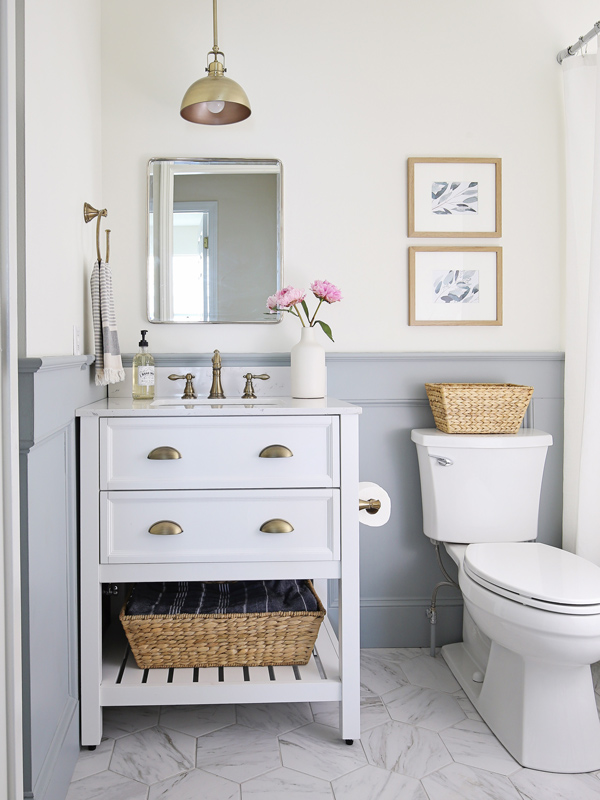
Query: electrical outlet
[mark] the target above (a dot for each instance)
(76, 340)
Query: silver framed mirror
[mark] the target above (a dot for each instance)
(214, 237)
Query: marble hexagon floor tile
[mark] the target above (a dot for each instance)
(460, 782)
(318, 750)
(92, 761)
(426, 708)
(372, 783)
(380, 675)
(395, 654)
(535, 785)
(195, 785)
(406, 749)
(197, 720)
(431, 673)
(153, 755)
(238, 753)
(286, 783)
(471, 742)
(372, 712)
(274, 717)
(466, 705)
(107, 786)
(121, 720)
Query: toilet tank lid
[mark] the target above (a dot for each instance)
(536, 570)
(525, 437)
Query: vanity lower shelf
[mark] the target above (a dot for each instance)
(125, 684)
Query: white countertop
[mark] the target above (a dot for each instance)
(175, 407)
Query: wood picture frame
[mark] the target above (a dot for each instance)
(455, 285)
(455, 197)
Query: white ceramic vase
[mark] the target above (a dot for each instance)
(308, 372)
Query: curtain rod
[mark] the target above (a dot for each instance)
(570, 51)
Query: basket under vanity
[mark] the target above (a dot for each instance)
(224, 470)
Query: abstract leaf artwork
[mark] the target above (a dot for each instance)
(454, 197)
(456, 286)
(458, 197)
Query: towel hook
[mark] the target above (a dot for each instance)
(90, 213)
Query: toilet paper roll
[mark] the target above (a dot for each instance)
(372, 491)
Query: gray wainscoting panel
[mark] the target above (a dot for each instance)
(398, 565)
(49, 391)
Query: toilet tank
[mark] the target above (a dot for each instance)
(481, 488)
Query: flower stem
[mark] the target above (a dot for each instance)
(312, 321)
(294, 310)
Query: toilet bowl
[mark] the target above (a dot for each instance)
(531, 626)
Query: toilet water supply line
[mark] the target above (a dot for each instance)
(431, 611)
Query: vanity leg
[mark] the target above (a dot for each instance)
(349, 594)
(90, 615)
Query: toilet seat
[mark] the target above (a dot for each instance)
(537, 575)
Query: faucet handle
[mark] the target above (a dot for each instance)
(249, 388)
(188, 393)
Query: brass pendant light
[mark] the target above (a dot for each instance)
(215, 99)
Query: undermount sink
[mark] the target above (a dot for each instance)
(176, 402)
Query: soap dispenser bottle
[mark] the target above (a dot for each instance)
(143, 372)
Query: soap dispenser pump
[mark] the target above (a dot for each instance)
(143, 372)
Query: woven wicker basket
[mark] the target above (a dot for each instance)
(281, 638)
(478, 407)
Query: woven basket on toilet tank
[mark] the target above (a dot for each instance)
(478, 407)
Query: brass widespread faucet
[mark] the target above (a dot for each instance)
(216, 390)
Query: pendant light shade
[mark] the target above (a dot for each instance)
(215, 99)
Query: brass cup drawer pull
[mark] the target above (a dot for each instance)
(165, 527)
(164, 454)
(276, 526)
(276, 451)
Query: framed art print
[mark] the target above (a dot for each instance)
(455, 197)
(455, 285)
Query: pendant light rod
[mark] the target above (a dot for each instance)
(215, 37)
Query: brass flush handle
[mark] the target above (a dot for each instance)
(165, 527)
(276, 451)
(164, 454)
(276, 526)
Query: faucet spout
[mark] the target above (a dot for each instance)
(216, 390)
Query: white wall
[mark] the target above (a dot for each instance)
(62, 169)
(343, 92)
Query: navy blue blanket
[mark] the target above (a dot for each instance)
(239, 597)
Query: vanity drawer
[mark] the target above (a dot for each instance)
(221, 526)
(219, 453)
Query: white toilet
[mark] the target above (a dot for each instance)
(531, 626)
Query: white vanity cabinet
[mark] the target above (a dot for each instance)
(219, 473)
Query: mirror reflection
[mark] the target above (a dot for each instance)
(214, 239)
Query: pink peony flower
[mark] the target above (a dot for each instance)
(292, 300)
(289, 296)
(272, 304)
(326, 291)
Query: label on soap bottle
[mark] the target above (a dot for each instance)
(145, 376)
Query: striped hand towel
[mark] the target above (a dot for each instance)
(109, 368)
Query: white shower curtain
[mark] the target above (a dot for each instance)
(581, 76)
